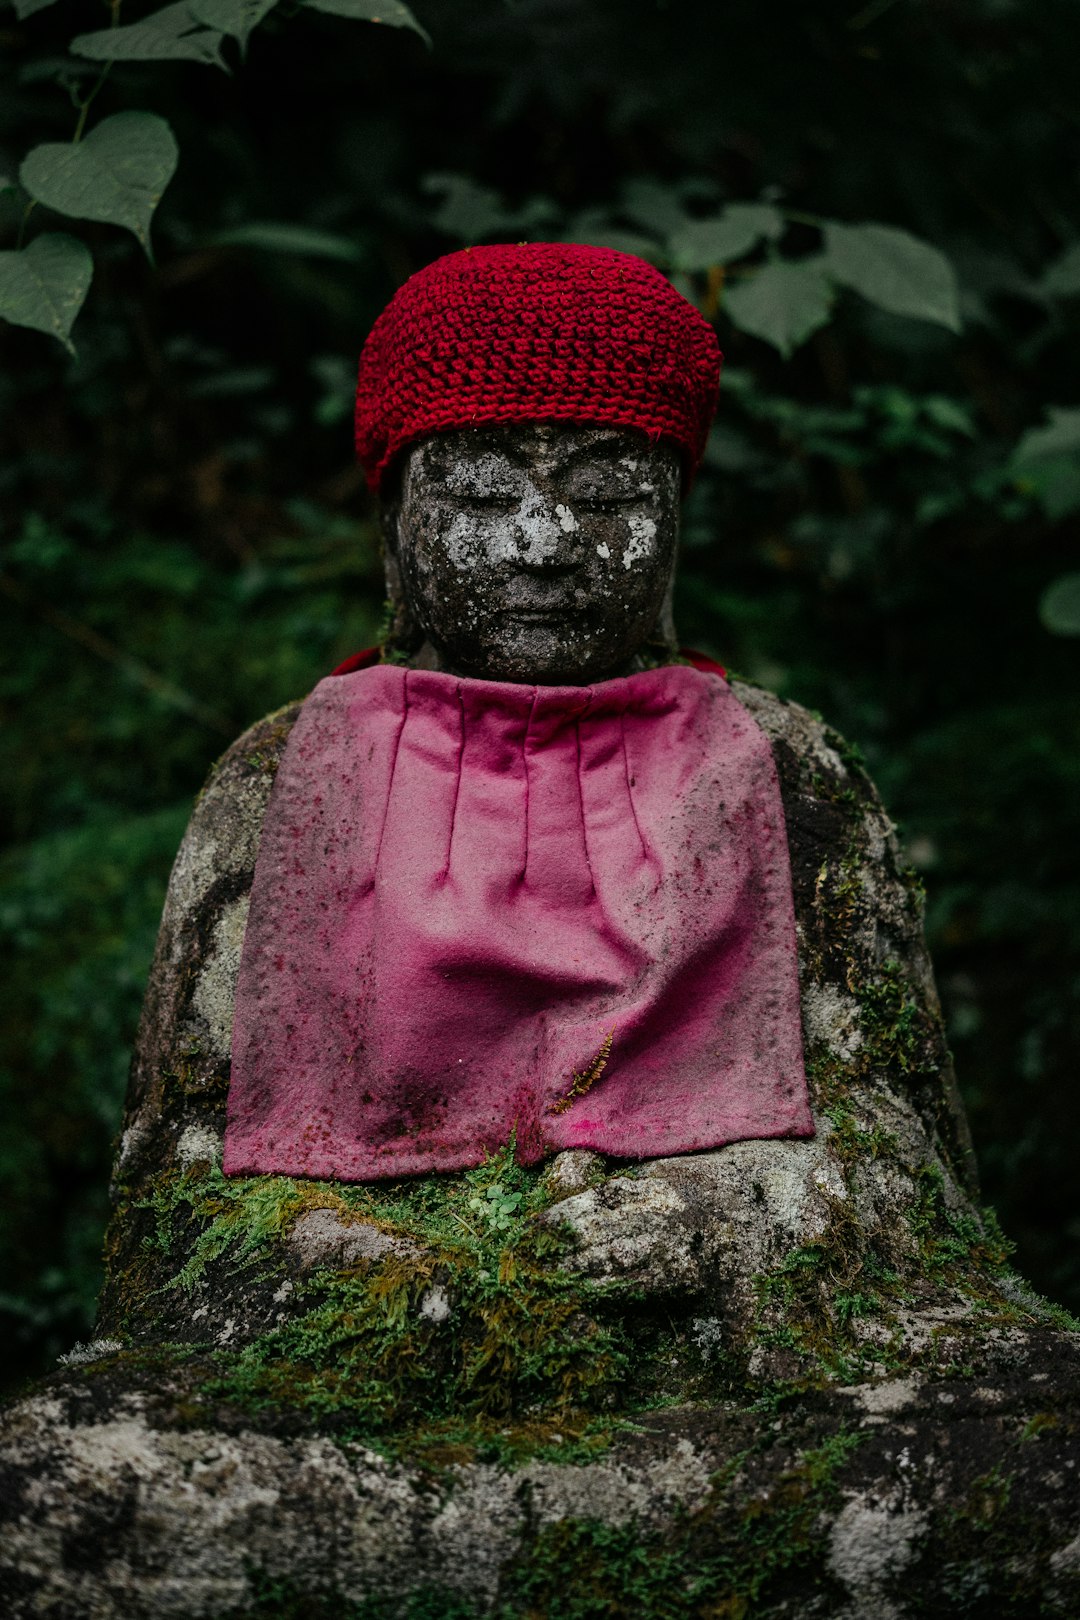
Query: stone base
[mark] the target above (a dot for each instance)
(125, 1494)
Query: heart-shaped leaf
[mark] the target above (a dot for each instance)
(172, 34)
(43, 285)
(895, 271)
(783, 303)
(390, 12)
(235, 17)
(701, 243)
(116, 175)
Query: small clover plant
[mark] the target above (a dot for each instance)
(496, 1205)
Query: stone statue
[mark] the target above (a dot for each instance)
(787, 1373)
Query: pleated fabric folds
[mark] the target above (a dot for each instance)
(483, 908)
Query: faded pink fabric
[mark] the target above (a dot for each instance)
(465, 887)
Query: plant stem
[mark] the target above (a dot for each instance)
(84, 105)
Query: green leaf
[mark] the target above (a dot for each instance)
(285, 238)
(949, 414)
(390, 12)
(895, 271)
(234, 17)
(653, 206)
(1054, 481)
(116, 175)
(28, 8)
(172, 34)
(43, 285)
(1060, 436)
(702, 243)
(1059, 608)
(783, 302)
(470, 211)
(1046, 462)
(1062, 278)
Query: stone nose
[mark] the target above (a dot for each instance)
(546, 532)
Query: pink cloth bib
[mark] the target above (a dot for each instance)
(482, 908)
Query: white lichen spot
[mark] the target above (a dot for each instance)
(879, 1399)
(215, 992)
(282, 1294)
(603, 550)
(640, 544)
(486, 474)
(829, 1180)
(707, 1333)
(461, 543)
(198, 1142)
(872, 1542)
(567, 521)
(435, 1305)
(1066, 1561)
(832, 1017)
(535, 524)
(130, 1142)
(95, 1350)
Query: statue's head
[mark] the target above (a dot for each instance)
(529, 418)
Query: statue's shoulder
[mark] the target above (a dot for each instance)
(233, 799)
(222, 837)
(811, 757)
(832, 808)
(187, 1012)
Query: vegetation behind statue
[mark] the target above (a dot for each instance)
(180, 514)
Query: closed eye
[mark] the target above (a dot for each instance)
(602, 503)
(468, 497)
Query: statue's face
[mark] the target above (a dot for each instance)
(538, 553)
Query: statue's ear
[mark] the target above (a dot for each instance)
(403, 634)
(389, 509)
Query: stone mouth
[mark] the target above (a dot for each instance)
(544, 615)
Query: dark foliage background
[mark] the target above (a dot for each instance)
(185, 543)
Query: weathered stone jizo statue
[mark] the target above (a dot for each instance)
(533, 881)
(542, 1169)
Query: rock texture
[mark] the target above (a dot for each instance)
(783, 1378)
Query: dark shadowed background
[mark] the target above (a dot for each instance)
(885, 528)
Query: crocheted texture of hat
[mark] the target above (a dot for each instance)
(536, 332)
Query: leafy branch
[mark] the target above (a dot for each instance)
(116, 172)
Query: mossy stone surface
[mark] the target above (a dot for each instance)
(781, 1378)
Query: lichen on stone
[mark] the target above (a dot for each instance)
(781, 1378)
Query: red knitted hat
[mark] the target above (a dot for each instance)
(538, 332)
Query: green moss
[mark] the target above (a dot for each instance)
(954, 1244)
(515, 1344)
(817, 1301)
(850, 753)
(467, 1336)
(721, 1561)
(812, 1302)
(238, 1217)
